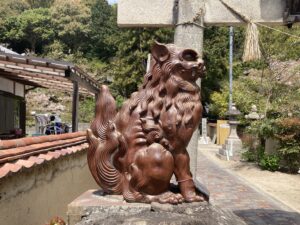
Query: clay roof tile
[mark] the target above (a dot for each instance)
(25, 163)
(15, 166)
(55, 154)
(12, 167)
(4, 171)
(36, 160)
(46, 157)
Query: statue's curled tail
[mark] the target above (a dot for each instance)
(104, 141)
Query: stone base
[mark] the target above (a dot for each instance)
(94, 208)
(231, 150)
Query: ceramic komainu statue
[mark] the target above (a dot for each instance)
(136, 151)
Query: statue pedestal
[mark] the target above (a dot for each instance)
(92, 207)
(95, 202)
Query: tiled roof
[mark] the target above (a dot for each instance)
(27, 152)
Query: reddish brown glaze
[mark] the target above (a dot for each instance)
(136, 151)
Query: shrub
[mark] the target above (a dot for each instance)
(269, 162)
(249, 156)
(289, 141)
(254, 154)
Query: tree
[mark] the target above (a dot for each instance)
(129, 64)
(32, 29)
(10, 8)
(71, 19)
(280, 46)
(216, 56)
(40, 3)
(103, 29)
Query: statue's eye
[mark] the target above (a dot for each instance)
(189, 55)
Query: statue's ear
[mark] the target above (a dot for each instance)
(160, 52)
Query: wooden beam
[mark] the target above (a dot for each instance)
(35, 61)
(58, 85)
(82, 82)
(42, 80)
(21, 80)
(75, 107)
(33, 74)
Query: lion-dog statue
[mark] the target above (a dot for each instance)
(135, 152)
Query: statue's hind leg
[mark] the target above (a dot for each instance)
(184, 176)
(150, 174)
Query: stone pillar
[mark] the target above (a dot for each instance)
(204, 139)
(189, 34)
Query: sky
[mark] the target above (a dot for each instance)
(112, 1)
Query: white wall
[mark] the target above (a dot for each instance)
(6, 85)
(33, 196)
(19, 89)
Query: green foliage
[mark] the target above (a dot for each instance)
(242, 87)
(33, 26)
(10, 8)
(56, 50)
(266, 162)
(86, 110)
(71, 19)
(279, 46)
(219, 105)
(39, 3)
(103, 29)
(129, 65)
(249, 156)
(119, 101)
(287, 131)
(270, 162)
(264, 128)
(216, 54)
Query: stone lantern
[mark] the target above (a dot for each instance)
(232, 148)
(253, 115)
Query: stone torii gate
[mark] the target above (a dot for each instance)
(189, 18)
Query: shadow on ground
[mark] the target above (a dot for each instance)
(268, 217)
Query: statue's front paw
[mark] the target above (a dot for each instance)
(170, 197)
(188, 191)
(193, 197)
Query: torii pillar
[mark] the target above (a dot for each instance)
(190, 35)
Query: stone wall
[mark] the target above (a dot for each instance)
(35, 195)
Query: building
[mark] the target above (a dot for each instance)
(19, 74)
